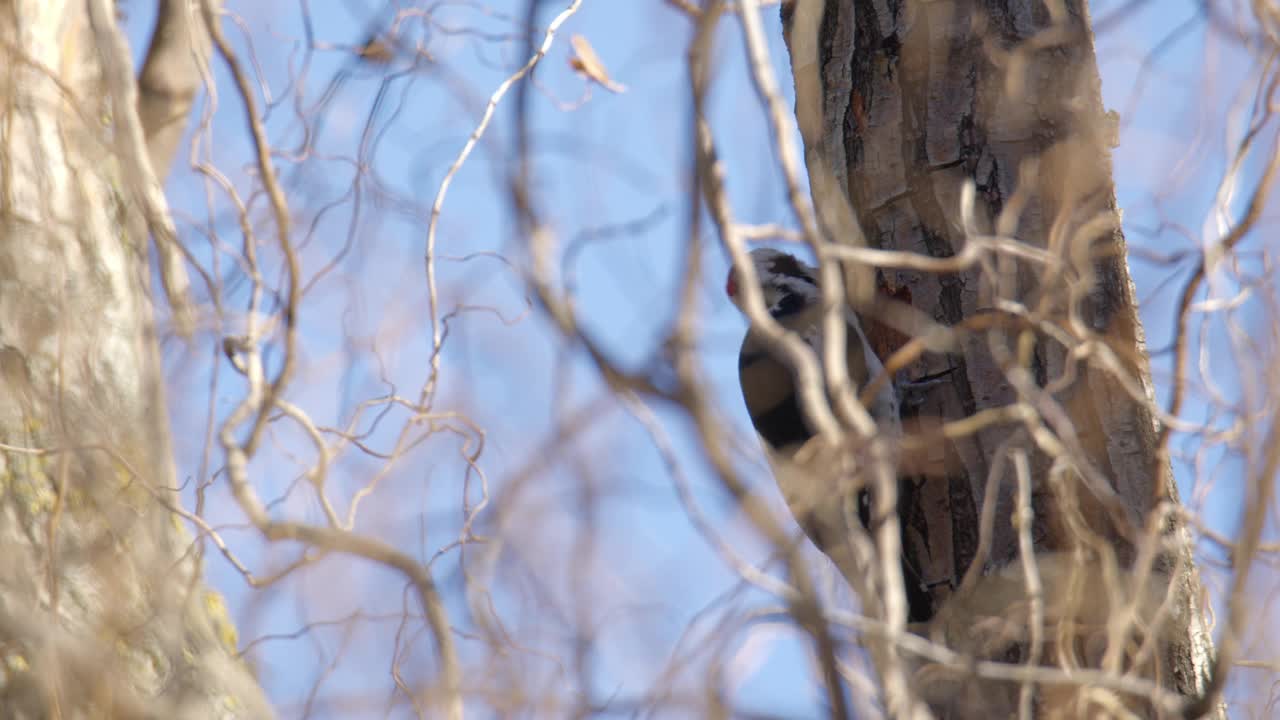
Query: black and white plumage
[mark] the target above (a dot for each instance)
(812, 488)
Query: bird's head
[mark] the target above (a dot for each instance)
(787, 284)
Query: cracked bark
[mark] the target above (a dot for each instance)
(105, 613)
(916, 98)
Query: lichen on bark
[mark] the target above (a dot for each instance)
(102, 606)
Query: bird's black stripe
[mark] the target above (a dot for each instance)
(790, 304)
(788, 265)
(784, 424)
(746, 359)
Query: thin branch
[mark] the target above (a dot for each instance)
(280, 211)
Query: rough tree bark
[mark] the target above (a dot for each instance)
(103, 611)
(901, 102)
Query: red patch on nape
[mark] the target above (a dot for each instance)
(731, 284)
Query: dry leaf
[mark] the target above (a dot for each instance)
(588, 63)
(377, 50)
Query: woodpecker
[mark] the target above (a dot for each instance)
(812, 487)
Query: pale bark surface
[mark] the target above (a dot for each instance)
(103, 610)
(918, 98)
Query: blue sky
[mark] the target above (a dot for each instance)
(611, 176)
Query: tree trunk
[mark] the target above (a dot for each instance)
(103, 612)
(903, 102)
